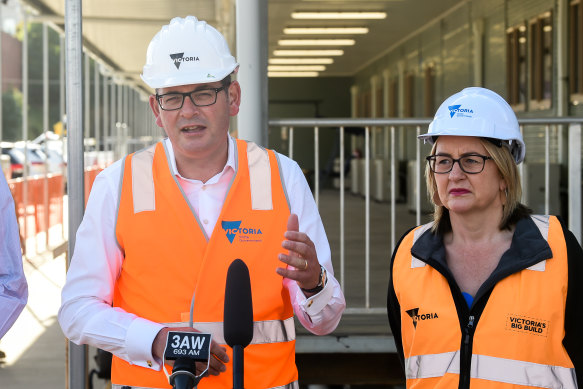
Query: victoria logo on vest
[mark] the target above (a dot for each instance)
(414, 314)
(245, 234)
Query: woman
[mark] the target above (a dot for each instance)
(487, 294)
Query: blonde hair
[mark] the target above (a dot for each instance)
(512, 209)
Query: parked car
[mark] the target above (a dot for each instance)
(16, 153)
(55, 161)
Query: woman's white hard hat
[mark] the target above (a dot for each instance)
(187, 51)
(478, 112)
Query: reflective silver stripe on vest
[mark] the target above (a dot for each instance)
(142, 180)
(542, 222)
(432, 365)
(259, 178)
(415, 262)
(267, 331)
(291, 385)
(484, 367)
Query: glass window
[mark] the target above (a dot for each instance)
(516, 66)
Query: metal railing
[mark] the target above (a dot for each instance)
(290, 125)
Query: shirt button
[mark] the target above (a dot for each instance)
(204, 187)
(310, 303)
(205, 221)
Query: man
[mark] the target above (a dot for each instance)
(184, 210)
(13, 286)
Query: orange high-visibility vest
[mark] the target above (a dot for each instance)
(517, 342)
(168, 258)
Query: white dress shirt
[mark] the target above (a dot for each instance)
(86, 315)
(13, 286)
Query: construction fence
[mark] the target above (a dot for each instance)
(39, 202)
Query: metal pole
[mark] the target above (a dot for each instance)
(46, 126)
(113, 116)
(125, 123)
(393, 191)
(547, 169)
(317, 165)
(342, 270)
(367, 214)
(252, 55)
(25, 120)
(87, 99)
(77, 355)
(521, 166)
(119, 120)
(575, 180)
(1, 82)
(62, 116)
(97, 98)
(291, 143)
(106, 119)
(418, 179)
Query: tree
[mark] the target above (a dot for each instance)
(12, 115)
(35, 77)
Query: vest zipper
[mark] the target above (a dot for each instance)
(466, 354)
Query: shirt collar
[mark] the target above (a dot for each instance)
(230, 158)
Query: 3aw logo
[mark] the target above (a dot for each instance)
(233, 228)
(453, 109)
(414, 314)
(178, 58)
(192, 345)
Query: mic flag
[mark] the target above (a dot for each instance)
(187, 348)
(238, 315)
(192, 345)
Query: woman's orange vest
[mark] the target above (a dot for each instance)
(168, 258)
(517, 342)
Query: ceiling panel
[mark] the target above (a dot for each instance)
(122, 29)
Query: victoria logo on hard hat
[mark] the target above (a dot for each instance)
(178, 58)
(461, 112)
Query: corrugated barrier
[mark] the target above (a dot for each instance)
(39, 201)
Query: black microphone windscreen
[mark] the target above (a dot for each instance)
(238, 315)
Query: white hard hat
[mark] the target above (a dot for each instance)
(187, 51)
(478, 112)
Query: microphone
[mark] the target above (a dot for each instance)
(238, 316)
(185, 349)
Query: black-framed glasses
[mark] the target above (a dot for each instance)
(470, 164)
(200, 97)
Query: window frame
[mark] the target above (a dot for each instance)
(541, 61)
(576, 52)
(517, 66)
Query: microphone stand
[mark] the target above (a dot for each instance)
(238, 367)
(183, 375)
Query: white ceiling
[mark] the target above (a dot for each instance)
(120, 30)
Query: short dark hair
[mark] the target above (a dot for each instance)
(226, 82)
